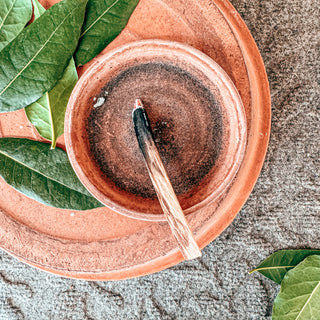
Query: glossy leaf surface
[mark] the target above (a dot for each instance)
(43, 174)
(104, 20)
(35, 60)
(14, 15)
(279, 263)
(299, 296)
(47, 113)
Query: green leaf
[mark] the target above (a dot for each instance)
(45, 175)
(14, 15)
(38, 9)
(47, 114)
(277, 265)
(35, 60)
(299, 296)
(104, 20)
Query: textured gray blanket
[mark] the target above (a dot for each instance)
(282, 212)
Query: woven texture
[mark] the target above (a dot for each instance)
(282, 212)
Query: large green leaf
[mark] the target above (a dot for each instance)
(35, 60)
(299, 296)
(47, 114)
(104, 20)
(14, 15)
(45, 175)
(277, 265)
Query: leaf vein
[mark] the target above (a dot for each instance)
(105, 12)
(306, 303)
(37, 53)
(271, 268)
(40, 173)
(6, 16)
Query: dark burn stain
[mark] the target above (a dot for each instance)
(161, 132)
(186, 124)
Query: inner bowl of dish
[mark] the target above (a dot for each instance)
(195, 113)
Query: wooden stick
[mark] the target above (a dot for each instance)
(159, 177)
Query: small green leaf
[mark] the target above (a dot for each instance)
(299, 296)
(277, 265)
(104, 20)
(35, 60)
(38, 9)
(47, 114)
(45, 175)
(14, 15)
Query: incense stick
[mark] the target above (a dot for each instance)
(160, 180)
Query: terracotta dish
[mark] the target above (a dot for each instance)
(101, 244)
(195, 113)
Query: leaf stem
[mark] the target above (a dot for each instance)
(268, 268)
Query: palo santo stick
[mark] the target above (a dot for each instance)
(166, 195)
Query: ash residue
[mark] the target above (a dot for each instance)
(185, 119)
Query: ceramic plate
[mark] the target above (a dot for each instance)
(103, 245)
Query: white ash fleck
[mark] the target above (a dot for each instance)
(94, 99)
(99, 102)
(21, 127)
(106, 93)
(72, 214)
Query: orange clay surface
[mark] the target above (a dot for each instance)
(101, 244)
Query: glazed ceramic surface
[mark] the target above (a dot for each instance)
(101, 244)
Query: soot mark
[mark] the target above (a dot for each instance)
(186, 123)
